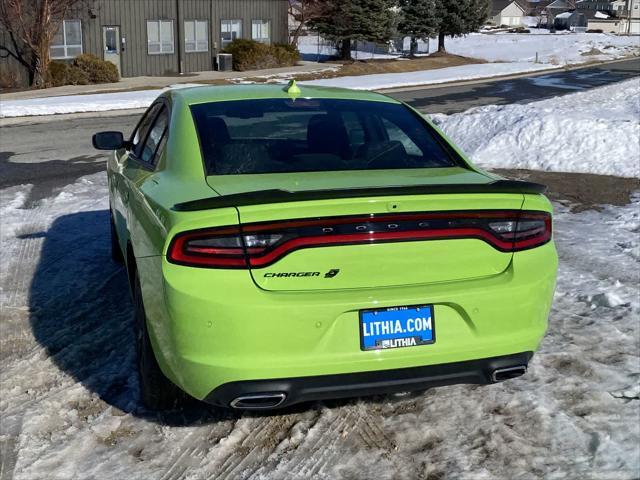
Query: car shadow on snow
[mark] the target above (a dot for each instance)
(81, 313)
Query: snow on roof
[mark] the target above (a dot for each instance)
(564, 15)
(601, 15)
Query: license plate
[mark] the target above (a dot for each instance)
(396, 327)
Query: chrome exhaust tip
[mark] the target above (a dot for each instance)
(502, 374)
(258, 401)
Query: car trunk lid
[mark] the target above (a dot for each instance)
(370, 234)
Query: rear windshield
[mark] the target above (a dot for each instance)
(303, 135)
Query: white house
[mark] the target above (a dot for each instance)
(633, 18)
(626, 18)
(508, 12)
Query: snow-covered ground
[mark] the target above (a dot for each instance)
(69, 408)
(68, 402)
(314, 48)
(597, 131)
(561, 48)
(556, 49)
(429, 77)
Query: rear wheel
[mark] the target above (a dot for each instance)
(116, 252)
(157, 392)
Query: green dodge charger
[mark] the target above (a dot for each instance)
(300, 243)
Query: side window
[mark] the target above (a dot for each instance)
(354, 129)
(143, 128)
(396, 134)
(155, 137)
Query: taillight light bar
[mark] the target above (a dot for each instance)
(259, 245)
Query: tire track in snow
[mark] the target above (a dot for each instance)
(370, 432)
(259, 439)
(193, 448)
(21, 269)
(15, 326)
(312, 456)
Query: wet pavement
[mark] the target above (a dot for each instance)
(454, 99)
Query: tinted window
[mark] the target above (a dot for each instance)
(156, 134)
(282, 135)
(143, 128)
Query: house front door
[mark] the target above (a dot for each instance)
(111, 45)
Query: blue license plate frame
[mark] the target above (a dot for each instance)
(397, 327)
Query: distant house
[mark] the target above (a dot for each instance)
(624, 18)
(508, 12)
(605, 6)
(606, 25)
(570, 21)
(537, 10)
(556, 8)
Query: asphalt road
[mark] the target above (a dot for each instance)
(453, 99)
(51, 152)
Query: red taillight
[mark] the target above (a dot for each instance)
(261, 244)
(214, 248)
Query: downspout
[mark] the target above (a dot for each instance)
(179, 33)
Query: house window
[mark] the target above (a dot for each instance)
(159, 37)
(230, 30)
(196, 36)
(67, 42)
(261, 31)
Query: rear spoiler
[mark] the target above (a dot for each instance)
(261, 197)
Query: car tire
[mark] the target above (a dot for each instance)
(157, 392)
(116, 252)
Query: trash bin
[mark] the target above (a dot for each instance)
(225, 62)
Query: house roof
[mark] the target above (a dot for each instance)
(538, 5)
(498, 6)
(561, 5)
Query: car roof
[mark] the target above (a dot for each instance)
(220, 93)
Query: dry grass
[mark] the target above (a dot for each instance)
(592, 52)
(372, 67)
(340, 69)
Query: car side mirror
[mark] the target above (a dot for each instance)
(108, 141)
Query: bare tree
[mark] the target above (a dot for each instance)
(30, 25)
(303, 11)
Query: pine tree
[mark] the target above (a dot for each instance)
(348, 20)
(458, 17)
(419, 20)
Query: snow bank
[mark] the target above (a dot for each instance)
(98, 102)
(428, 77)
(597, 131)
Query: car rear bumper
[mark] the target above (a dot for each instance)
(211, 329)
(289, 391)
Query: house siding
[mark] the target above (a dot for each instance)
(511, 15)
(131, 17)
(11, 71)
